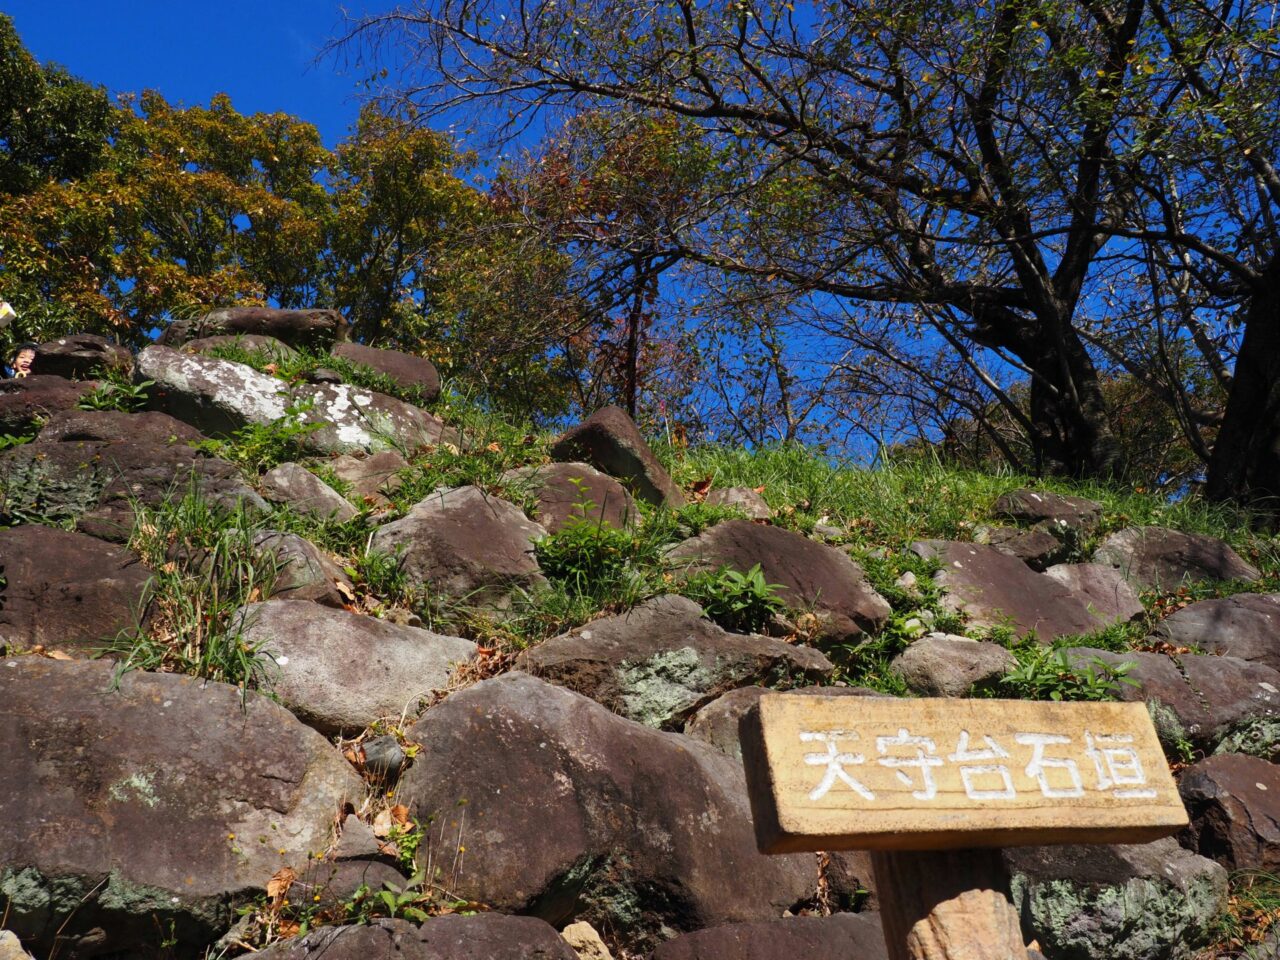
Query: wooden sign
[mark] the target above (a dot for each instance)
(830, 773)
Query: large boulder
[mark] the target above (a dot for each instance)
(1036, 548)
(1154, 558)
(842, 936)
(1108, 595)
(298, 488)
(487, 936)
(220, 397)
(744, 499)
(467, 546)
(1246, 625)
(28, 401)
(1197, 699)
(351, 419)
(409, 372)
(315, 329)
(610, 441)
(992, 589)
(147, 427)
(151, 810)
(811, 575)
(81, 355)
(67, 591)
(1152, 901)
(662, 660)
(216, 396)
(613, 822)
(1052, 512)
(1234, 805)
(572, 492)
(941, 665)
(96, 484)
(340, 671)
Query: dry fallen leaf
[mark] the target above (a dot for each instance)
(58, 655)
(400, 814)
(494, 448)
(279, 884)
(383, 823)
(348, 594)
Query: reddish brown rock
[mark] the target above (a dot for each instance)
(615, 823)
(410, 372)
(80, 355)
(67, 591)
(151, 809)
(26, 401)
(1246, 625)
(1234, 804)
(295, 485)
(316, 329)
(993, 589)
(146, 427)
(568, 492)
(610, 441)
(1053, 512)
(371, 478)
(1157, 558)
(811, 576)
(842, 936)
(1108, 595)
(740, 498)
(487, 936)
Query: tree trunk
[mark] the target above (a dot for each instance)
(1245, 465)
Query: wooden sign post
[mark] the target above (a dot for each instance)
(931, 786)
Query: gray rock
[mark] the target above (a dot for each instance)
(96, 484)
(80, 355)
(114, 425)
(568, 492)
(993, 590)
(662, 660)
(299, 488)
(1246, 625)
(465, 545)
(303, 570)
(216, 396)
(352, 419)
(950, 666)
(1157, 558)
(618, 824)
(150, 811)
(1234, 805)
(67, 591)
(372, 478)
(610, 441)
(487, 936)
(1107, 594)
(340, 671)
(1259, 737)
(841, 936)
(316, 329)
(1049, 511)
(743, 499)
(249, 342)
(1152, 901)
(811, 576)
(410, 372)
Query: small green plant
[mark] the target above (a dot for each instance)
(381, 575)
(259, 446)
(117, 393)
(740, 602)
(584, 552)
(8, 440)
(1050, 673)
(1252, 915)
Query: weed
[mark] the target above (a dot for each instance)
(1050, 673)
(381, 575)
(259, 447)
(739, 602)
(117, 392)
(207, 567)
(1253, 912)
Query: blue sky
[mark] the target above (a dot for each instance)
(260, 53)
